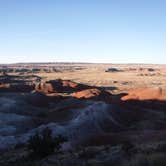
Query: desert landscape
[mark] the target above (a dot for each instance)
(82, 83)
(106, 113)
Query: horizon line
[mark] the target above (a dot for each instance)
(79, 62)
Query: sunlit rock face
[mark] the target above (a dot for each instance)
(91, 118)
(93, 93)
(44, 88)
(21, 115)
(145, 94)
(60, 86)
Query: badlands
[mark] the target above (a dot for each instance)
(108, 113)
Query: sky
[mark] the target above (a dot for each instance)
(107, 31)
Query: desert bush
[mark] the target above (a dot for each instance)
(113, 70)
(42, 144)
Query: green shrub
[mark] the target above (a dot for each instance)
(43, 144)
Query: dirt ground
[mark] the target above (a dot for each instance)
(130, 75)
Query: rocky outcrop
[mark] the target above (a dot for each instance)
(17, 83)
(145, 94)
(44, 88)
(88, 93)
(92, 94)
(2, 86)
(71, 84)
(60, 86)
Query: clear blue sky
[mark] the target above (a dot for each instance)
(115, 31)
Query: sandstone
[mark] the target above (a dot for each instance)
(45, 88)
(145, 94)
(92, 94)
(59, 86)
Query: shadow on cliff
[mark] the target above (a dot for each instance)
(146, 121)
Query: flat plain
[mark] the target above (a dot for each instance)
(126, 77)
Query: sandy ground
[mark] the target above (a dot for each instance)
(132, 76)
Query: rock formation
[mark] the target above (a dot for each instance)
(145, 94)
(92, 94)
